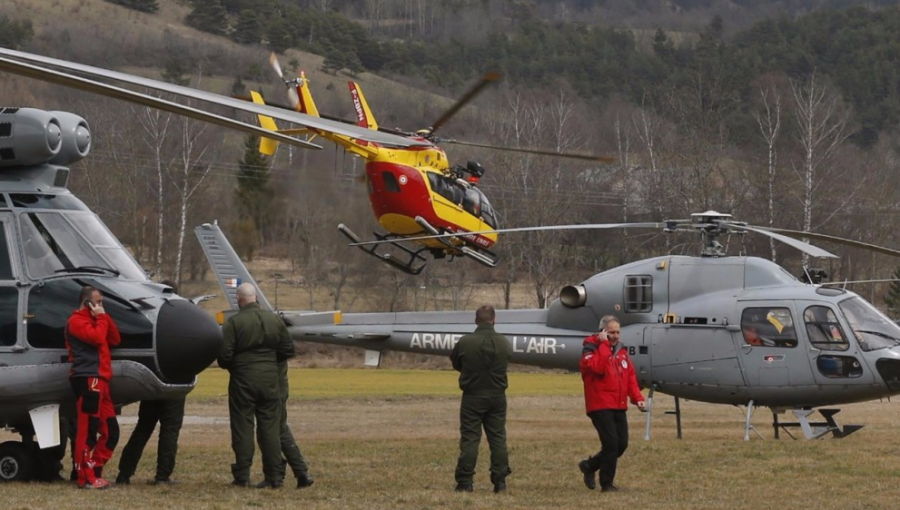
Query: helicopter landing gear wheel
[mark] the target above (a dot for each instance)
(16, 462)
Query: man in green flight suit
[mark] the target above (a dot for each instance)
(482, 359)
(255, 341)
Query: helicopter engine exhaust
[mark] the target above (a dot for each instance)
(28, 137)
(573, 296)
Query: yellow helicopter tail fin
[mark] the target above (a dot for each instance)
(305, 104)
(267, 146)
(364, 115)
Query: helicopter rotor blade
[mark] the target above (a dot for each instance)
(585, 226)
(293, 97)
(87, 85)
(486, 80)
(834, 239)
(539, 152)
(807, 248)
(36, 70)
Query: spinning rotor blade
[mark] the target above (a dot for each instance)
(834, 239)
(144, 100)
(572, 155)
(308, 121)
(293, 97)
(468, 96)
(800, 245)
(588, 226)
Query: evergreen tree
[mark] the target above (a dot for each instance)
(174, 72)
(208, 16)
(138, 5)
(248, 29)
(14, 34)
(892, 300)
(238, 88)
(253, 193)
(335, 60)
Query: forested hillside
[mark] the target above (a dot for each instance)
(781, 112)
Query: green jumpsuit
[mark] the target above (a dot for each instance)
(289, 448)
(482, 359)
(255, 342)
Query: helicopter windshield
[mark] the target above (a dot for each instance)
(872, 328)
(73, 242)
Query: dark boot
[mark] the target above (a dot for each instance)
(304, 480)
(464, 487)
(590, 480)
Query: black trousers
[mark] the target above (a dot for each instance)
(170, 415)
(612, 427)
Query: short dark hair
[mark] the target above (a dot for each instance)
(485, 314)
(87, 292)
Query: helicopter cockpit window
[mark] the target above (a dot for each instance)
(38, 201)
(5, 265)
(768, 327)
(872, 329)
(824, 330)
(73, 242)
(9, 321)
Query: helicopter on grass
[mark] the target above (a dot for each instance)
(51, 245)
(413, 190)
(715, 328)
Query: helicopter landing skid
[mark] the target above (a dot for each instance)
(813, 430)
(408, 267)
(479, 255)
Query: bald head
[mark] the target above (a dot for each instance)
(246, 294)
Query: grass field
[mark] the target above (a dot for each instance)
(388, 439)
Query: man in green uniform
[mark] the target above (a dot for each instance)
(292, 454)
(255, 341)
(482, 359)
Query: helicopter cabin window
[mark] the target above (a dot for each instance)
(768, 327)
(446, 187)
(838, 366)
(9, 316)
(6, 272)
(638, 293)
(390, 182)
(872, 329)
(824, 330)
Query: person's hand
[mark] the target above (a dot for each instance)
(642, 405)
(96, 310)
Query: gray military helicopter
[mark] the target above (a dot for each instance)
(723, 329)
(51, 245)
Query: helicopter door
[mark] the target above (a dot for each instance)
(770, 351)
(10, 315)
(834, 355)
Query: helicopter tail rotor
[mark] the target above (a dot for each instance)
(291, 85)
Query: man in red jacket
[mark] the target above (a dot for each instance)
(90, 332)
(609, 381)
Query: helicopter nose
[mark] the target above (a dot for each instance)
(187, 340)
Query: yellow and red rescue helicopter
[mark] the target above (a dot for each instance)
(414, 190)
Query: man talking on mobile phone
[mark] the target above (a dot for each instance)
(90, 332)
(609, 381)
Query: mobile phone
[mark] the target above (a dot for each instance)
(87, 303)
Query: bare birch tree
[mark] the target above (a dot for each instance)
(769, 122)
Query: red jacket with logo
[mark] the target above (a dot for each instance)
(609, 378)
(88, 339)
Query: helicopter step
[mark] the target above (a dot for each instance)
(481, 256)
(408, 267)
(813, 430)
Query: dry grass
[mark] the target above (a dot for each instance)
(379, 446)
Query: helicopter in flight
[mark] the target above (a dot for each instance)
(412, 187)
(51, 245)
(413, 190)
(715, 328)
